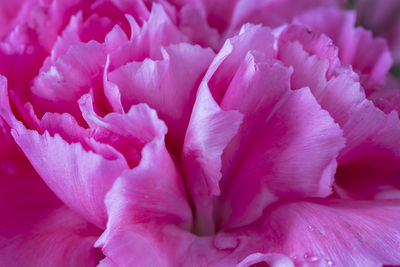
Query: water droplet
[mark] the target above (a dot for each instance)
(8, 168)
(223, 241)
(315, 230)
(329, 262)
(310, 258)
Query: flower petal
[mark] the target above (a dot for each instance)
(72, 75)
(372, 137)
(367, 55)
(167, 85)
(211, 128)
(32, 36)
(71, 170)
(141, 202)
(271, 259)
(127, 133)
(35, 226)
(268, 150)
(146, 41)
(329, 232)
(387, 98)
(80, 178)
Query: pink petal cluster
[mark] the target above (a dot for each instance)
(199, 133)
(382, 17)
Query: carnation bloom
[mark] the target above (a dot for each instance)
(138, 134)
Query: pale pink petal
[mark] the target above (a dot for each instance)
(333, 232)
(71, 170)
(78, 30)
(67, 128)
(72, 75)
(211, 128)
(70, 36)
(270, 259)
(37, 27)
(369, 56)
(90, 175)
(135, 245)
(269, 147)
(36, 227)
(150, 219)
(111, 91)
(141, 202)
(272, 164)
(92, 23)
(78, 177)
(128, 133)
(209, 132)
(324, 232)
(322, 54)
(372, 137)
(225, 64)
(167, 85)
(156, 32)
(116, 38)
(153, 194)
(106, 262)
(49, 18)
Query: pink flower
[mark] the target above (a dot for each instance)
(178, 134)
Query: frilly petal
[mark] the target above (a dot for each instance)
(167, 85)
(387, 98)
(144, 206)
(211, 128)
(371, 135)
(271, 259)
(273, 167)
(78, 177)
(127, 133)
(35, 226)
(369, 56)
(73, 74)
(71, 170)
(333, 232)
